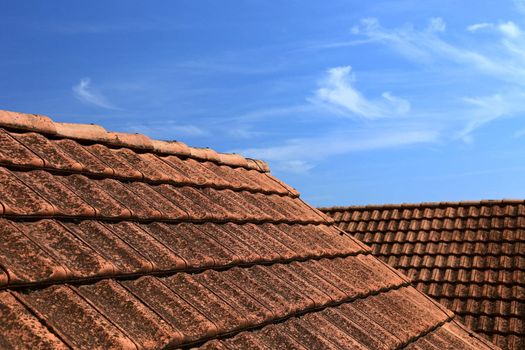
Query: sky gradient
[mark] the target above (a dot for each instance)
(349, 102)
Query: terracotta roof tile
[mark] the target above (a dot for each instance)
(90, 191)
(13, 152)
(113, 240)
(18, 199)
(454, 251)
(52, 156)
(64, 201)
(20, 326)
(117, 162)
(77, 258)
(23, 260)
(159, 255)
(75, 321)
(125, 259)
(222, 314)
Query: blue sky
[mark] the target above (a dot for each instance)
(351, 102)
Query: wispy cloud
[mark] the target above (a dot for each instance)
(502, 59)
(85, 93)
(300, 154)
(488, 108)
(479, 26)
(337, 90)
(427, 47)
(387, 121)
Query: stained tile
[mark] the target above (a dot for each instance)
(156, 200)
(309, 271)
(278, 232)
(13, 152)
(18, 199)
(360, 327)
(310, 337)
(90, 163)
(139, 208)
(148, 169)
(243, 248)
(192, 201)
(76, 321)
(264, 246)
(226, 199)
(169, 173)
(79, 260)
(254, 312)
(296, 300)
(274, 338)
(126, 259)
(52, 156)
(217, 310)
(286, 272)
(160, 256)
(190, 322)
(23, 260)
(65, 201)
(20, 328)
(120, 166)
(232, 177)
(257, 289)
(137, 321)
(191, 244)
(331, 331)
(190, 169)
(245, 340)
(87, 189)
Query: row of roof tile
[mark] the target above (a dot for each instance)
(435, 224)
(182, 308)
(39, 193)
(95, 133)
(468, 249)
(443, 236)
(31, 150)
(50, 251)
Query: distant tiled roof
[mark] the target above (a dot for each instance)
(469, 255)
(113, 240)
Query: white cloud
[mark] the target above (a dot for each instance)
(85, 93)
(427, 47)
(485, 109)
(337, 90)
(509, 29)
(478, 26)
(301, 153)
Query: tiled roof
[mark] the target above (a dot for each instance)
(117, 241)
(468, 255)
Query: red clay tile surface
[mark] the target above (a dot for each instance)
(470, 256)
(112, 241)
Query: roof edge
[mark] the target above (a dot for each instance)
(96, 133)
(424, 205)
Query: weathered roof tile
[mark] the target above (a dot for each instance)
(114, 240)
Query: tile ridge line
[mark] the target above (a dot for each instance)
(96, 133)
(480, 202)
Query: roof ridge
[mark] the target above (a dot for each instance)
(96, 133)
(425, 204)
